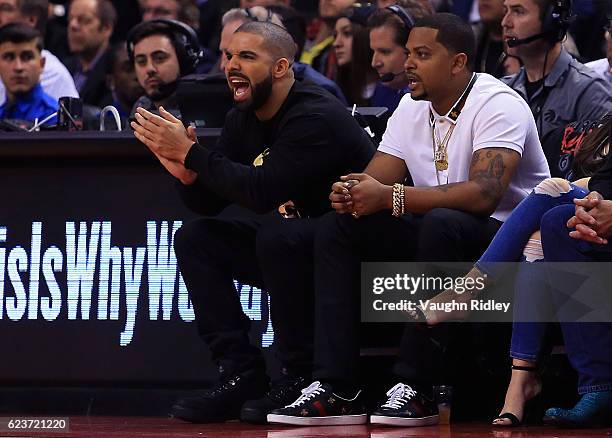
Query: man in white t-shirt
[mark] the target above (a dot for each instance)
(471, 146)
(56, 81)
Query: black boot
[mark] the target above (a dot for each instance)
(223, 401)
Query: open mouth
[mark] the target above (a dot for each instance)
(413, 80)
(240, 87)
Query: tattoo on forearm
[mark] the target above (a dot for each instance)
(490, 179)
(445, 187)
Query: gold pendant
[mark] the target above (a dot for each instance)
(259, 160)
(441, 165)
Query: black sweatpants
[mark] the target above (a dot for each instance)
(265, 251)
(343, 242)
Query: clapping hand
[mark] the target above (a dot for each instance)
(168, 139)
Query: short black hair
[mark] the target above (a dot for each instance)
(149, 28)
(115, 52)
(277, 39)
(20, 33)
(35, 8)
(294, 22)
(453, 33)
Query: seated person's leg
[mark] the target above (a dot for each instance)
(285, 256)
(531, 311)
(341, 243)
(587, 344)
(444, 235)
(512, 239)
(211, 253)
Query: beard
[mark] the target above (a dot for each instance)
(422, 96)
(260, 93)
(163, 91)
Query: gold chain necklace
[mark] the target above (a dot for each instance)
(440, 147)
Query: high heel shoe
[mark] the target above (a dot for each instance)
(531, 405)
(436, 310)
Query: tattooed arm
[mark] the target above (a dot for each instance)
(490, 173)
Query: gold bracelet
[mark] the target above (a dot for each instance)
(398, 200)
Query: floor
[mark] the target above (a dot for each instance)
(143, 427)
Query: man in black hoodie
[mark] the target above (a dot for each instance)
(284, 144)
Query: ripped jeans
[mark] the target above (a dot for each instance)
(548, 208)
(511, 239)
(531, 296)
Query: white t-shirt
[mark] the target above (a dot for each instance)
(494, 116)
(55, 79)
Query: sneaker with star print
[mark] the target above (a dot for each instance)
(406, 407)
(318, 405)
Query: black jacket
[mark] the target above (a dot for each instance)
(95, 91)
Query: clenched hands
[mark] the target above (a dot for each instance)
(592, 220)
(168, 139)
(360, 195)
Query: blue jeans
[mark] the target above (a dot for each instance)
(510, 240)
(507, 246)
(588, 345)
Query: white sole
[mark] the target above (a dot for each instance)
(340, 420)
(405, 422)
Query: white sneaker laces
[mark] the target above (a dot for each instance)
(398, 396)
(314, 389)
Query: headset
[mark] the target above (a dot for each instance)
(555, 23)
(557, 19)
(403, 15)
(186, 43)
(409, 24)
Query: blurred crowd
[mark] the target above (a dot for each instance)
(78, 48)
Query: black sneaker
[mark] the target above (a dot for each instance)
(282, 392)
(319, 406)
(406, 407)
(222, 402)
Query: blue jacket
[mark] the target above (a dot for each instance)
(35, 104)
(304, 72)
(387, 97)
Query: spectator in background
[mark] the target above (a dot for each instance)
(389, 30)
(185, 11)
(294, 23)
(604, 66)
(557, 88)
(490, 54)
(21, 65)
(320, 54)
(122, 81)
(356, 77)
(162, 52)
(90, 26)
(234, 18)
(55, 79)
